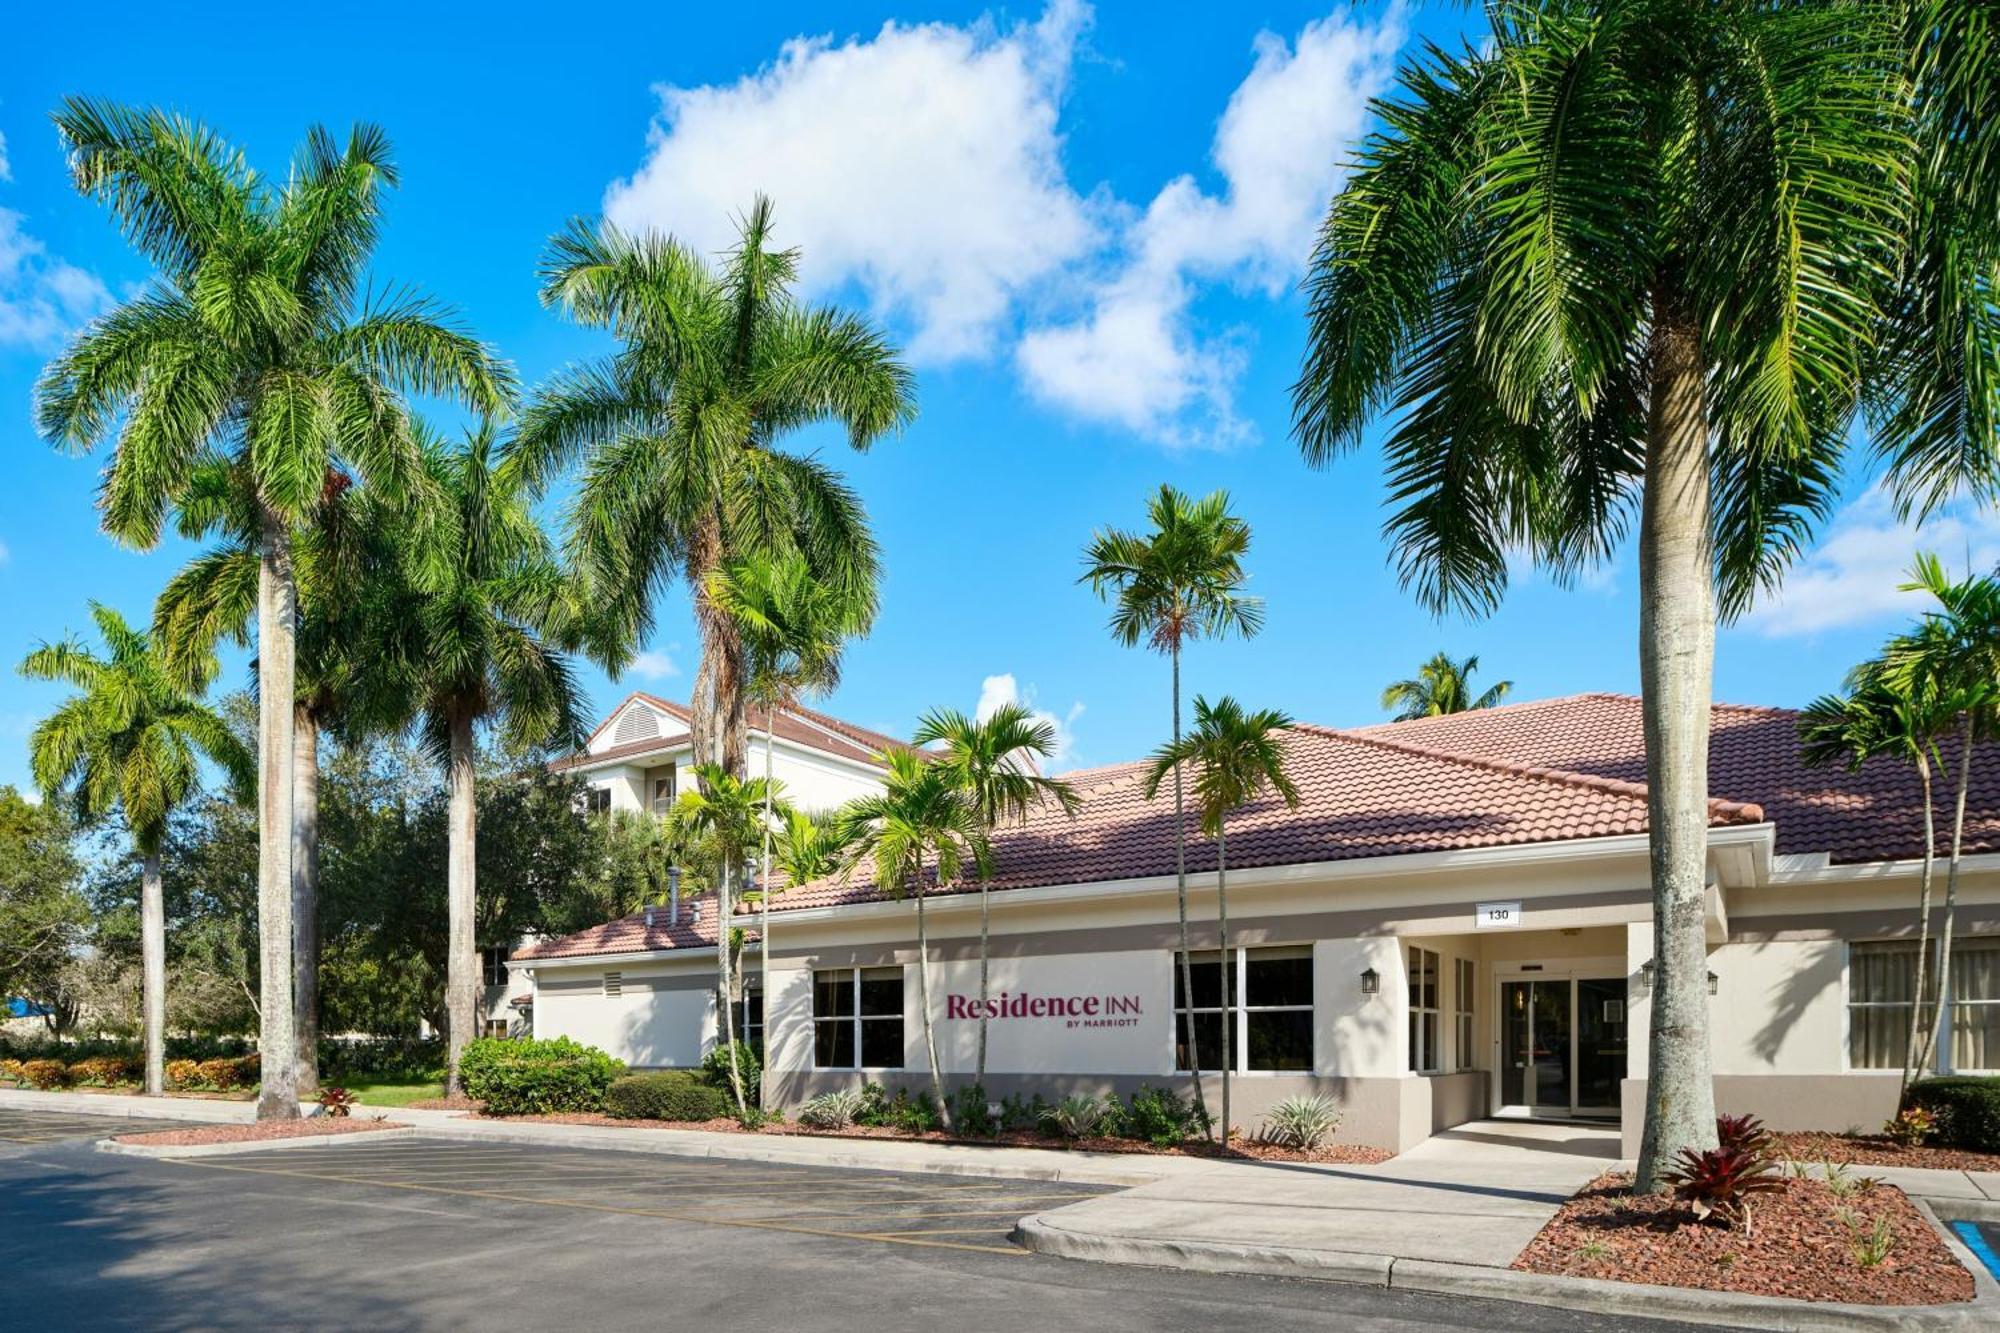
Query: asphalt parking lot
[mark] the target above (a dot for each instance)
(433, 1234)
(18, 1126)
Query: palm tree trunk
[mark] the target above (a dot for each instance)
(305, 897)
(1677, 668)
(985, 969)
(277, 631)
(153, 964)
(724, 973)
(1229, 999)
(461, 962)
(764, 913)
(1180, 888)
(1912, 1056)
(1943, 983)
(924, 999)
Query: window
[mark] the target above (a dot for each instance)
(1423, 1011)
(750, 1019)
(663, 792)
(493, 965)
(1462, 998)
(597, 801)
(496, 1027)
(1270, 1006)
(857, 1011)
(1881, 981)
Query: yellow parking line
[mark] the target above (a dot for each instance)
(588, 1206)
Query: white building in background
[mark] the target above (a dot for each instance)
(638, 758)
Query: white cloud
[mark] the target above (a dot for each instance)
(6, 168)
(41, 297)
(996, 692)
(1852, 576)
(1138, 358)
(923, 165)
(653, 665)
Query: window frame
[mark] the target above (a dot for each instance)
(855, 975)
(1420, 962)
(597, 800)
(1464, 1000)
(1942, 1062)
(1236, 1009)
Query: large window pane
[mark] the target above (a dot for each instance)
(1878, 1036)
(833, 1043)
(833, 993)
(1208, 1039)
(1882, 973)
(1280, 1039)
(1207, 971)
(1277, 978)
(882, 1043)
(882, 992)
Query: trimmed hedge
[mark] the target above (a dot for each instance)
(523, 1077)
(669, 1095)
(1967, 1111)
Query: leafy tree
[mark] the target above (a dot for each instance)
(130, 741)
(251, 356)
(993, 762)
(1655, 256)
(807, 848)
(488, 594)
(1236, 757)
(43, 913)
(680, 428)
(731, 811)
(1181, 580)
(921, 815)
(792, 628)
(1441, 686)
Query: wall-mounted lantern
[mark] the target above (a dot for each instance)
(1646, 978)
(1371, 981)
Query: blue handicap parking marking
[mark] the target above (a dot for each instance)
(1980, 1239)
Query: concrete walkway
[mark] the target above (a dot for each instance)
(1472, 1195)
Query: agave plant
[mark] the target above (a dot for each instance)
(832, 1110)
(1074, 1117)
(1303, 1122)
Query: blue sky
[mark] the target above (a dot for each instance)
(1087, 227)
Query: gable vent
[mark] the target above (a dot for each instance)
(636, 723)
(614, 983)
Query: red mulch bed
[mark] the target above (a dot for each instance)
(1798, 1246)
(1874, 1150)
(317, 1127)
(444, 1104)
(1339, 1153)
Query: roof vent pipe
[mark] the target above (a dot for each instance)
(673, 896)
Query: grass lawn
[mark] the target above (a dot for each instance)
(393, 1094)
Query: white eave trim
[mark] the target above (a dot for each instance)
(1814, 868)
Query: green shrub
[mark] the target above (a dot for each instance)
(913, 1113)
(183, 1075)
(669, 1095)
(13, 1070)
(105, 1071)
(1967, 1111)
(226, 1073)
(715, 1072)
(48, 1075)
(832, 1110)
(874, 1106)
(971, 1114)
(536, 1077)
(382, 1060)
(1161, 1117)
(1021, 1113)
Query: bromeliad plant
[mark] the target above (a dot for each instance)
(1743, 1133)
(1721, 1182)
(337, 1103)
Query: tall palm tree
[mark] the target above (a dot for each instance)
(993, 761)
(732, 813)
(252, 352)
(921, 815)
(487, 605)
(346, 562)
(1955, 652)
(792, 628)
(679, 432)
(130, 741)
(1236, 756)
(1441, 686)
(1181, 580)
(1654, 256)
(806, 848)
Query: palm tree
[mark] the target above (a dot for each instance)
(679, 433)
(992, 760)
(1441, 686)
(791, 627)
(732, 813)
(922, 814)
(130, 740)
(253, 353)
(806, 848)
(1236, 757)
(487, 601)
(1654, 257)
(1182, 580)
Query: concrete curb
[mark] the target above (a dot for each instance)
(138, 1107)
(1045, 1236)
(756, 1148)
(159, 1150)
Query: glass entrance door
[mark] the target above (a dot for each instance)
(1562, 1044)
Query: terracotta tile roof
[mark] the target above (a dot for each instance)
(800, 725)
(1874, 814)
(631, 934)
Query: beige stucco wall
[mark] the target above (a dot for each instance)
(663, 1017)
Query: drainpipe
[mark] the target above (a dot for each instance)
(673, 895)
